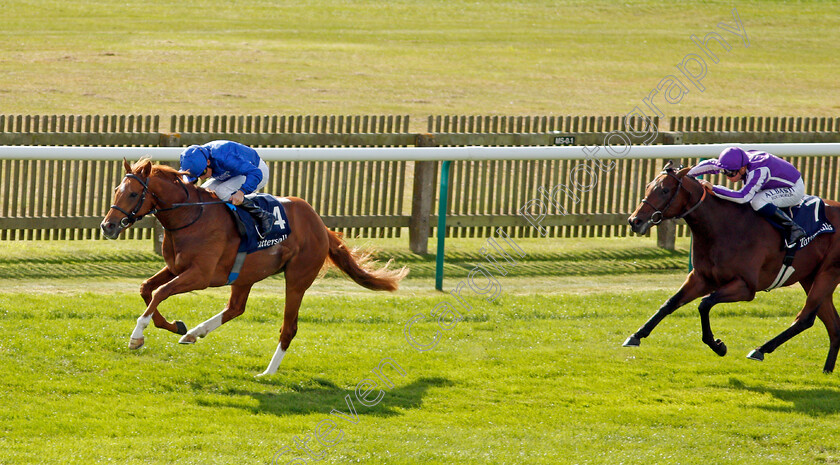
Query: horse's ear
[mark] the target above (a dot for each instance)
(146, 169)
(668, 166)
(126, 165)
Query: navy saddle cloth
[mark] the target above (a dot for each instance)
(810, 214)
(251, 242)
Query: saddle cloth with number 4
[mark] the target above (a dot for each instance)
(251, 242)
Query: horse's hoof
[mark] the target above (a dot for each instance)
(632, 341)
(182, 328)
(756, 355)
(135, 344)
(187, 339)
(719, 347)
(265, 373)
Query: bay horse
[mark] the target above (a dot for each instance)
(736, 253)
(200, 245)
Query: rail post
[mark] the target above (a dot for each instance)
(423, 198)
(441, 228)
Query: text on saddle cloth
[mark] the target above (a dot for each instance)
(251, 242)
(810, 215)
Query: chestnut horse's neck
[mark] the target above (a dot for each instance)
(714, 218)
(170, 193)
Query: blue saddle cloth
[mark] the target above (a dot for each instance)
(251, 242)
(810, 214)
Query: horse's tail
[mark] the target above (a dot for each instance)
(359, 266)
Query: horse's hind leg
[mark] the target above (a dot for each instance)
(818, 294)
(234, 308)
(299, 276)
(828, 315)
(693, 287)
(804, 320)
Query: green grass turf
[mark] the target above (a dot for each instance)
(544, 257)
(536, 376)
(418, 58)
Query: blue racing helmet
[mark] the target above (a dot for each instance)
(194, 161)
(733, 159)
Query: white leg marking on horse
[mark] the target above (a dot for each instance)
(202, 329)
(275, 362)
(142, 322)
(136, 340)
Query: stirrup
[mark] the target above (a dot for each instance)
(259, 234)
(257, 223)
(789, 244)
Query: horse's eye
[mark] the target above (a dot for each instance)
(666, 190)
(132, 195)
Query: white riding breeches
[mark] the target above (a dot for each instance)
(224, 189)
(781, 197)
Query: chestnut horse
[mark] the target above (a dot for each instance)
(200, 245)
(737, 253)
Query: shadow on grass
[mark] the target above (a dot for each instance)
(813, 402)
(324, 397)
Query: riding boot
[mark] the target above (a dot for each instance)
(262, 218)
(793, 231)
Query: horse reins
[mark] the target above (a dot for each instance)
(132, 217)
(661, 216)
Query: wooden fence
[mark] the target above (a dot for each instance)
(496, 189)
(42, 199)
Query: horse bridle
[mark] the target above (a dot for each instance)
(132, 217)
(658, 214)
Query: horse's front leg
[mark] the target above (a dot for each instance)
(146, 290)
(733, 291)
(693, 287)
(194, 278)
(234, 308)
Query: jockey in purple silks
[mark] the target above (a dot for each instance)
(769, 183)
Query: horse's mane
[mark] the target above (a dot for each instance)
(157, 169)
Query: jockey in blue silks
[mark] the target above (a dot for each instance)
(769, 183)
(234, 171)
